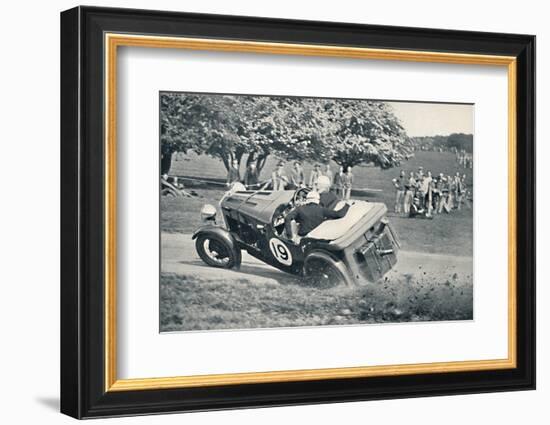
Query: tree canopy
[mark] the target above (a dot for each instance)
(348, 131)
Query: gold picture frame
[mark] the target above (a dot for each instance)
(114, 41)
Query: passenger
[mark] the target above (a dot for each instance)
(310, 215)
(328, 199)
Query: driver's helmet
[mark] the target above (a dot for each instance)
(312, 197)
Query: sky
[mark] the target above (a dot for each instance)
(430, 119)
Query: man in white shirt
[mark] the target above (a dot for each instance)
(423, 188)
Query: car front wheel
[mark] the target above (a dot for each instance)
(217, 252)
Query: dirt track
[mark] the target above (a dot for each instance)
(179, 256)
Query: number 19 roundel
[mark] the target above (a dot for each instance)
(280, 252)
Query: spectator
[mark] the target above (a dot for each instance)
(315, 174)
(399, 184)
(430, 197)
(410, 189)
(419, 174)
(465, 193)
(437, 193)
(278, 178)
(338, 182)
(421, 189)
(444, 198)
(451, 188)
(297, 177)
(417, 211)
(347, 183)
(458, 191)
(427, 186)
(251, 176)
(328, 172)
(233, 175)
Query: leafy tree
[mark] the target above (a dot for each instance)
(366, 132)
(204, 124)
(229, 127)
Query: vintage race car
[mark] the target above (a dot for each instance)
(354, 249)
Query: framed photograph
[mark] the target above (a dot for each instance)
(261, 212)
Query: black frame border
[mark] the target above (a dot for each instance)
(82, 207)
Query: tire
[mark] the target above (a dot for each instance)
(217, 252)
(323, 271)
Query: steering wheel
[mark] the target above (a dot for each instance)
(300, 195)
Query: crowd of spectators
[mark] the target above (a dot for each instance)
(341, 182)
(422, 195)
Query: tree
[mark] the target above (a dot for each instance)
(348, 131)
(226, 127)
(229, 127)
(366, 132)
(300, 130)
(176, 112)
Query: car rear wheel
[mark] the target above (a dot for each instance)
(216, 252)
(323, 271)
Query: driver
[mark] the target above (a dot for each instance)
(310, 215)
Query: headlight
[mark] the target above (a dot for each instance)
(208, 212)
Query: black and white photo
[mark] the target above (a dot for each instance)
(280, 211)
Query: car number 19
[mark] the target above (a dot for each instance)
(280, 252)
